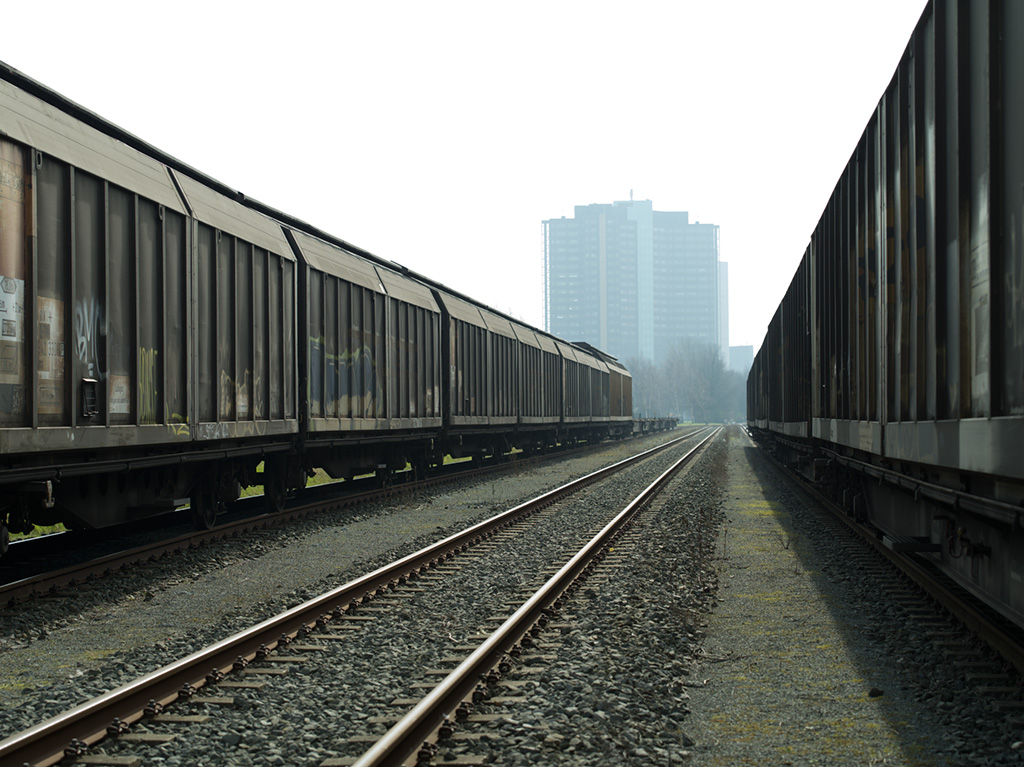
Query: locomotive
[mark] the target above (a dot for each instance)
(167, 340)
(892, 373)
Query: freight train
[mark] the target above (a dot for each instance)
(892, 373)
(163, 337)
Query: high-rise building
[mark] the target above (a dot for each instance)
(633, 281)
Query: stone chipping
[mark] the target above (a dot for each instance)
(734, 629)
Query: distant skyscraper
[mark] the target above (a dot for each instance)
(633, 281)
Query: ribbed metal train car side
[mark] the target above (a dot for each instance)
(586, 404)
(540, 387)
(246, 361)
(95, 304)
(954, 197)
(576, 398)
(950, 180)
(371, 363)
(483, 360)
(600, 386)
(757, 390)
(916, 307)
(919, 256)
(792, 370)
(620, 399)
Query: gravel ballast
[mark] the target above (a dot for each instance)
(731, 628)
(64, 650)
(807, 661)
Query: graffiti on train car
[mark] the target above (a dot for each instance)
(238, 396)
(90, 327)
(352, 388)
(12, 347)
(50, 322)
(258, 406)
(149, 385)
(212, 431)
(242, 397)
(177, 425)
(227, 396)
(120, 395)
(248, 396)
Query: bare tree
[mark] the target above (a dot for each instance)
(692, 383)
(646, 387)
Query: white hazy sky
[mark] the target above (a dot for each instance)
(440, 134)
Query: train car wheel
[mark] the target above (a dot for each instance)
(204, 506)
(5, 539)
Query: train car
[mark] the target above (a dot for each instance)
(483, 388)
(617, 392)
(164, 337)
(370, 365)
(110, 266)
(541, 388)
(893, 373)
(244, 367)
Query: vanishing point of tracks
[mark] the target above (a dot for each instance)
(315, 628)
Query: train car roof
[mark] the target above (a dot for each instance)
(609, 360)
(460, 309)
(408, 290)
(228, 216)
(29, 120)
(330, 259)
(497, 324)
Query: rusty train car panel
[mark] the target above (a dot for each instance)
(94, 287)
(345, 339)
(413, 353)
(503, 370)
(540, 379)
(245, 289)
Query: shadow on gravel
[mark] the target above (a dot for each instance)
(855, 604)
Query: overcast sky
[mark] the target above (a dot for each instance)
(440, 134)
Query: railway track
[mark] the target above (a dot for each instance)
(428, 722)
(15, 587)
(965, 633)
(276, 644)
(1005, 638)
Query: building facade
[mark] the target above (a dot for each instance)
(633, 281)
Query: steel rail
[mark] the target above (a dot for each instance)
(45, 743)
(405, 737)
(15, 592)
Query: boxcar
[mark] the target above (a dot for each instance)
(106, 302)
(893, 371)
(370, 362)
(164, 336)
